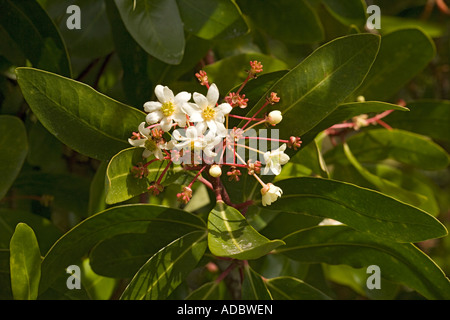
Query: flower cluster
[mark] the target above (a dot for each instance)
(192, 130)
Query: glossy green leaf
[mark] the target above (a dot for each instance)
(230, 235)
(25, 263)
(46, 233)
(206, 19)
(82, 118)
(164, 271)
(406, 147)
(292, 22)
(362, 209)
(208, 291)
(128, 219)
(33, 32)
(433, 29)
(122, 255)
(253, 286)
(400, 263)
(346, 111)
(146, 21)
(97, 190)
(427, 117)
(14, 146)
(123, 185)
(290, 288)
(348, 12)
(97, 287)
(403, 54)
(320, 83)
(386, 186)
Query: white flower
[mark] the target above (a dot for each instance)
(270, 193)
(274, 117)
(195, 141)
(147, 141)
(274, 159)
(168, 109)
(206, 114)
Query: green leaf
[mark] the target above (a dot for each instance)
(348, 12)
(14, 146)
(253, 286)
(386, 186)
(97, 190)
(320, 83)
(123, 185)
(209, 20)
(400, 263)
(208, 291)
(290, 288)
(25, 263)
(230, 235)
(362, 209)
(82, 118)
(46, 233)
(167, 268)
(289, 21)
(128, 219)
(403, 54)
(427, 117)
(33, 32)
(147, 22)
(346, 111)
(406, 147)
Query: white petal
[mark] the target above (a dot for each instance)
(146, 153)
(166, 124)
(284, 158)
(201, 127)
(180, 119)
(158, 154)
(283, 147)
(144, 130)
(212, 125)
(154, 117)
(177, 135)
(152, 106)
(224, 108)
(221, 130)
(213, 95)
(196, 117)
(168, 94)
(159, 92)
(200, 100)
(182, 97)
(276, 169)
(190, 108)
(137, 143)
(192, 133)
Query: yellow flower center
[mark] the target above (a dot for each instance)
(150, 145)
(209, 113)
(168, 109)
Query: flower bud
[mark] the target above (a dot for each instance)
(274, 117)
(215, 171)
